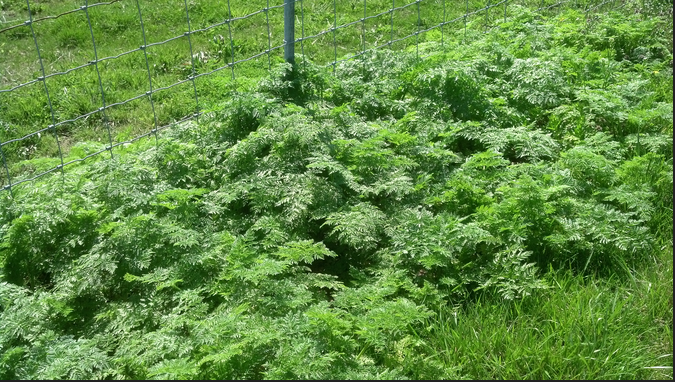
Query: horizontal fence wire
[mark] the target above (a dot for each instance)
(6, 29)
(152, 93)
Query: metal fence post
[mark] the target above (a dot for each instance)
(289, 31)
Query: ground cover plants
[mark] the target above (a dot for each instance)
(501, 208)
(66, 43)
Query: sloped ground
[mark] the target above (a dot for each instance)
(500, 209)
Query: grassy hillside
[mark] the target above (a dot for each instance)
(501, 208)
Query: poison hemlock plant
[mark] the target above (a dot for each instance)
(322, 227)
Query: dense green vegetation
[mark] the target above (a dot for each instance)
(501, 208)
(66, 43)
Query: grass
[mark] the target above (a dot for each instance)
(583, 327)
(66, 43)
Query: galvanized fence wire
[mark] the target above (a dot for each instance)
(52, 17)
(44, 82)
(288, 45)
(106, 106)
(147, 67)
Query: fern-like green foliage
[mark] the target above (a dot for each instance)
(308, 227)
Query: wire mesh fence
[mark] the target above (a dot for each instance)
(118, 71)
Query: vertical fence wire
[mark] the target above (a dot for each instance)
(466, 14)
(9, 179)
(587, 9)
(229, 31)
(302, 27)
(393, 6)
(269, 37)
(487, 16)
(417, 31)
(506, 3)
(147, 67)
(363, 33)
(44, 83)
(100, 81)
(192, 57)
(334, 37)
(443, 26)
